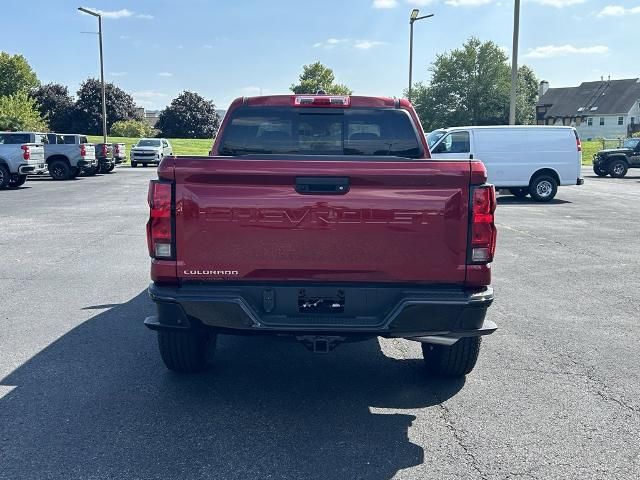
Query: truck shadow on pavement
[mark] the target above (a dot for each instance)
(98, 403)
(511, 200)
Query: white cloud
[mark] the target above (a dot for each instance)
(560, 3)
(117, 74)
(367, 44)
(549, 51)
(385, 3)
(420, 3)
(467, 3)
(330, 43)
(115, 14)
(207, 46)
(617, 11)
(165, 74)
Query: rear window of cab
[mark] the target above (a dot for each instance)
(320, 131)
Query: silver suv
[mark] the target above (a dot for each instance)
(150, 150)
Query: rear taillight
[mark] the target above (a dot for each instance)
(105, 150)
(26, 153)
(117, 149)
(83, 150)
(483, 230)
(160, 225)
(578, 142)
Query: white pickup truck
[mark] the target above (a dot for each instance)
(69, 155)
(21, 154)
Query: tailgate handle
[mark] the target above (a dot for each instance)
(322, 185)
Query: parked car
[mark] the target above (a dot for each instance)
(322, 218)
(68, 155)
(526, 160)
(106, 161)
(21, 154)
(150, 150)
(617, 161)
(119, 153)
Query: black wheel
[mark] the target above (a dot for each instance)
(91, 171)
(456, 360)
(111, 167)
(543, 188)
(599, 171)
(185, 351)
(134, 164)
(519, 192)
(75, 172)
(59, 170)
(5, 176)
(19, 182)
(618, 168)
(103, 168)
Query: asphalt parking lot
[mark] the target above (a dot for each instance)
(83, 392)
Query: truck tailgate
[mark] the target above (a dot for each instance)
(243, 219)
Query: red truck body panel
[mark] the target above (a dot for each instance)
(243, 219)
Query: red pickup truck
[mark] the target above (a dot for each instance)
(323, 218)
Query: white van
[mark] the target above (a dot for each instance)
(525, 160)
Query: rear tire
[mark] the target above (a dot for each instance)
(110, 168)
(599, 171)
(59, 170)
(5, 176)
(618, 168)
(19, 182)
(134, 164)
(456, 360)
(543, 188)
(185, 351)
(519, 192)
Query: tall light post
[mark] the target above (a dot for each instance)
(412, 19)
(104, 97)
(514, 63)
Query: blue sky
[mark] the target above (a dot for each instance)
(228, 48)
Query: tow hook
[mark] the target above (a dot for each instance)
(320, 344)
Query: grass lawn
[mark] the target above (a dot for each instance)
(201, 146)
(181, 146)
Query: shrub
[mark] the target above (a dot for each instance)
(131, 128)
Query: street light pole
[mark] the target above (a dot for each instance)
(104, 96)
(514, 63)
(413, 18)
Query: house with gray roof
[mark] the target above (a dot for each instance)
(601, 109)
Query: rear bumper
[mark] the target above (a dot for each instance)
(375, 310)
(33, 168)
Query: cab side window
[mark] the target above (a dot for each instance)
(454, 142)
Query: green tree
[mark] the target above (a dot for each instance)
(87, 112)
(131, 128)
(189, 116)
(527, 95)
(317, 77)
(19, 112)
(55, 104)
(16, 75)
(470, 86)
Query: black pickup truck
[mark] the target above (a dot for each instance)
(617, 161)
